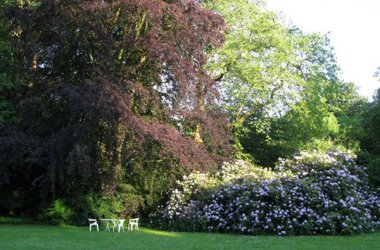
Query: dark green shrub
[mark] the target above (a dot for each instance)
(58, 213)
(124, 203)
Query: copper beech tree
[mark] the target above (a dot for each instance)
(109, 92)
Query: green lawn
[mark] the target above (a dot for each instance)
(53, 237)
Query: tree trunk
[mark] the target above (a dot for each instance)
(201, 108)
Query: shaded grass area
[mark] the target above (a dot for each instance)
(68, 237)
(15, 220)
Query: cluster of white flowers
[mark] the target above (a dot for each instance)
(310, 194)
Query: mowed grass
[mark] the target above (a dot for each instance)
(67, 237)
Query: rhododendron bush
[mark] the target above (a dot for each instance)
(309, 194)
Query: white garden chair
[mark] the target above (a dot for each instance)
(121, 225)
(93, 223)
(114, 221)
(133, 223)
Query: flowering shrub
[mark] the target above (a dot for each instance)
(310, 194)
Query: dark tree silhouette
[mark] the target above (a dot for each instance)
(105, 85)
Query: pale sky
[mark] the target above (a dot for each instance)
(354, 27)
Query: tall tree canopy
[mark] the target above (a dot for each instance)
(257, 64)
(280, 86)
(104, 87)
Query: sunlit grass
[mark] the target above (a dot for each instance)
(68, 237)
(159, 233)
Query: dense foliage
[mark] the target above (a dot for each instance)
(105, 104)
(370, 138)
(309, 194)
(108, 93)
(280, 86)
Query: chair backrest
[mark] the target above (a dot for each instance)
(93, 221)
(114, 221)
(135, 220)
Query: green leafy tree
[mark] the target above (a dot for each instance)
(257, 65)
(323, 117)
(371, 139)
(280, 86)
(326, 115)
